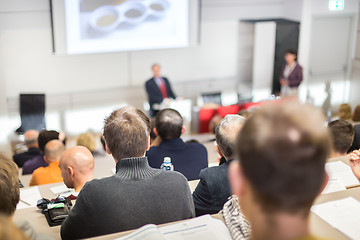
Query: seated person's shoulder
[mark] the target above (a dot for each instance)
(196, 146)
(39, 171)
(213, 173)
(97, 183)
(152, 149)
(172, 175)
(209, 171)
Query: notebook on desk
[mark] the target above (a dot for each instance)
(204, 227)
(342, 171)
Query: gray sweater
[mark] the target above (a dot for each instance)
(136, 195)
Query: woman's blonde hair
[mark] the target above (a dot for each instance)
(344, 111)
(86, 140)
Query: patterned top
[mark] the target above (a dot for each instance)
(235, 221)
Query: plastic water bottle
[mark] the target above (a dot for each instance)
(167, 165)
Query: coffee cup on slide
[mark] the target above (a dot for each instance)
(106, 18)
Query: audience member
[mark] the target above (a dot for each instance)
(44, 137)
(356, 142)
(344, 112)
(342, 133)
(10, 196)
(214, 122)
(86, 140)
(9, 185)
(31, 142)
(281, 169)
(235, 221)
(52, 173)
(213, 190)
(356, 114)
(188, 159)
(245, 113)
(136, 194)
(354, 158)
(77, 167)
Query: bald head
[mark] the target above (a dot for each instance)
(78, 157)
(77, 167)
(53, 150)
(31, 138)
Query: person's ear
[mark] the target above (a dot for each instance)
(183, 129)
(148, 144)
(70, 171)
(219, 151)
(107, 148)
(236, 179)
(156, 132)
(46, 160)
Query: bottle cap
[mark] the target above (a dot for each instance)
(167, 159)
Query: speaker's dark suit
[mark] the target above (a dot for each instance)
(154, 93)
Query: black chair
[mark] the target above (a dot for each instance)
(32, 112)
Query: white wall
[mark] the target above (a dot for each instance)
(264, 56)
(354, 97)
(319, 9)
(293, 9)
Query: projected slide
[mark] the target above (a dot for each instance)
(125, 25)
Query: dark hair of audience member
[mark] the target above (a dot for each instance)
(356, 114)
(191, 141)
(214, 122)
(152, 126)
(8, 230)
(342, 133)
(45, 136)
(356, 142)
(283, 154)
(244, 113)
(126, 132)
(102, 140)
(9, 185)
(169, 124)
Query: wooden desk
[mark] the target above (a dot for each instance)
(34, 216)
(321, 228)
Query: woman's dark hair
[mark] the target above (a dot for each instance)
(291, 51)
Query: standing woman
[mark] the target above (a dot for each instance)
(291, 75)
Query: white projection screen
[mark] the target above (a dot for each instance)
(95, 26)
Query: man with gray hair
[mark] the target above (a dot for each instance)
(31, 142)
(213, 190)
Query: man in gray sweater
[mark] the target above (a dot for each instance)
(136, 194)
